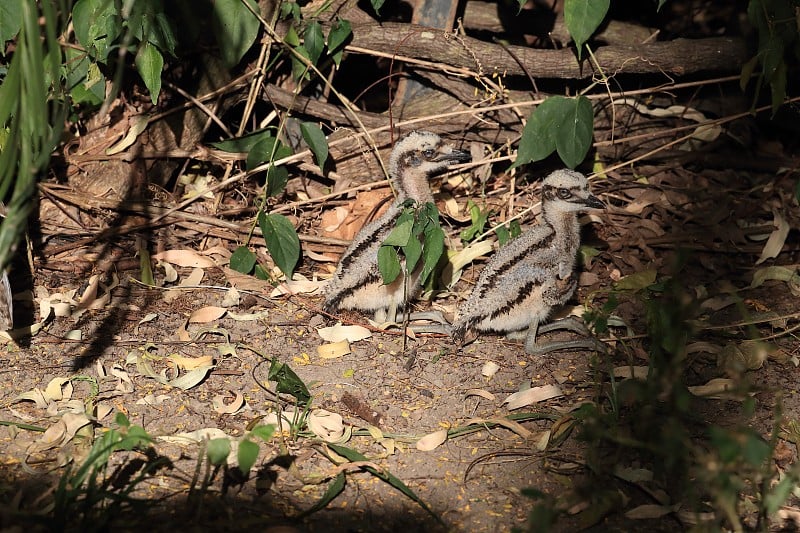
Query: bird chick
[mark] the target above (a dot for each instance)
(357, 283)
(533, 273)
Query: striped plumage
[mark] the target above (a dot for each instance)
(357, 282)
(533, 273)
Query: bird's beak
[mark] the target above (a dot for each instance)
(456, 156)
(594, 202)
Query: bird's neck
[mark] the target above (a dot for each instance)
(564, 224)
(414, 187)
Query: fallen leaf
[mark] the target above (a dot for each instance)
(516, 427)
(649, 511)
(776, 239)
(326, 425)
(222, 407)
(627, 372)
(332, 350)
(482, 393)
(431, 441)
(338, 333)
(489, 369)
(206, 314)
(532, 395)
(298, 285)
(184, 258)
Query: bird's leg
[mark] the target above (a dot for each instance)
(442, 325)
(570, 323)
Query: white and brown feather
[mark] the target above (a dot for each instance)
(357, 282)
(533, 273)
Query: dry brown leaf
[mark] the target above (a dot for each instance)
(627, 372)
(649, 511)
(776, 239)
(716, 389)
(532, 395)
(338, 333)
(207, 314)
(298, 285)
(431, 441)
(220, 406)
(246, 282)
(327, 426)
(489, 369)
(482, 393)
(332, 350)
(516, 427)
(189, 363)
(184, 258)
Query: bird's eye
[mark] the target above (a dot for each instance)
(429, 153)
(564, 193)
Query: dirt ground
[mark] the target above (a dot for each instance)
(471, 482)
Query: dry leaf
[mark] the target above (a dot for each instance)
(326, 425)
(489, 369)
(516, 427)
(223, 408)
(184, 258)
(431, 441)
(627, 372)
(338, 333)
(190, 363)
(482, 393)
(298, 285)
(206, 314)
(716, 389)
(333, 350)
(776, 239)
(649, 511)
(532, 395)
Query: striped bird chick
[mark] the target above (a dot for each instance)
(357, 282)
(533, 273)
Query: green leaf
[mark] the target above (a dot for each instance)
(432, 252)
(401, 233)
(354, 456)
(777, 87)
(316, 141)
(150, 63)
(503, 235)
(10, 21)
(235, 28)
(338, 38)
(287, 382)
(218, 450)
(245, 143)
(779, 493)
(247, 455)
(539, 135)
(376, 5)
(97, 24)
(264, 431)
(299, 68)
(276, 180)
(243, 260)
(412, 252)
(574, 135)
(314, 41)
(282, 241)
(637, 280)
(583, 17)
(333, 490)
(388, 264)
(266, 150)
(479, 219)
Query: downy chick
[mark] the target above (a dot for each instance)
(533, 273)
(357, 282)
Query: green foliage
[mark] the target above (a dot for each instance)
(218, 450)
(316, 140)
(10, 21)
(282, 241)
(235, 28)
(478, 219)
(558, 124)
(288, 382)
(416, 235)
(150, 63)
(506, 233)
(582, 18)
(778, 39)
(243, 260)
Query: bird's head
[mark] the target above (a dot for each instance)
(568, 191)
(416, 157)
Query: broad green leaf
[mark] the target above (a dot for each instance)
(583, 17)
(388, 264)
(333, 490)
(314, 41)
(574, 135)
(282, 241)
(778, 494)
(235, 28)
(247, 455)
(276, 180)
(264, 431)
(150, 63)
(777, 86)
(433, 250)
(376, 5)
(412, 252)
(478, 218)
(539, 135)
(338, 37)
(299, 68)
(401, 233)
(265, 150)
(316, 141)
(287, 382)
(84, 80)
(10, 21)
(218, 450)
(636, 281)
(388, 477)
(291, 38)
(245, 143)
(97, 25)
(243, 260)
